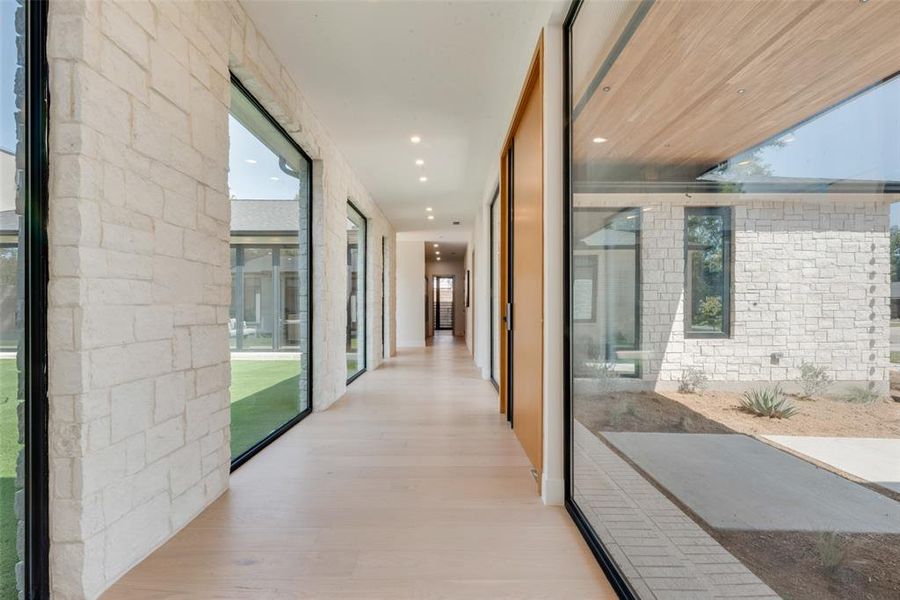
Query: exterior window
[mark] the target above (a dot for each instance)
(23, 301)
(733, 310)
(356, 293)
(269, 321)
(707, 271)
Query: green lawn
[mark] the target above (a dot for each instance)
(264, 395)
(9, 449)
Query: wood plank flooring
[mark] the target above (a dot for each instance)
(411, 486)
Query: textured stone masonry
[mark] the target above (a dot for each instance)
(140, 272)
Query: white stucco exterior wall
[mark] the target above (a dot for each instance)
(139, 269)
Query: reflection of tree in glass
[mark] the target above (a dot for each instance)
(706, 253)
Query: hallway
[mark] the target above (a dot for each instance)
(411, 486)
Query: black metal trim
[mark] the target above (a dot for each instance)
(365, 291)
(509, 309)
(613, 573)
(37, 533)
(256, 448)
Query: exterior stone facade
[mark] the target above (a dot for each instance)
(810, 283)
(140, 278)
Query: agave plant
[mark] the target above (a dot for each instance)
(768, 402)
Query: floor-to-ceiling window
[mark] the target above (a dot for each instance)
(732, 294)
(356, 292)
(269, 182)
(495, 288)
(23, 280)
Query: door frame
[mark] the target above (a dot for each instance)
(436, 283)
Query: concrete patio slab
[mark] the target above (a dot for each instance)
(733, 481)
(872, 459)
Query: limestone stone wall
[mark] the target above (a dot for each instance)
(140, 274)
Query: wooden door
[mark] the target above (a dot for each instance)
(527, 285)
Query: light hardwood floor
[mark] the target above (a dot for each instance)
(412, 486)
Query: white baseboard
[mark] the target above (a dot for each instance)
(553, 491)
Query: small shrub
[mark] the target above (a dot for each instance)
(709, 312)
(768, 402)
(693, 381)
(605, 376)
(813, 380)
(831, 551)
(860, 395)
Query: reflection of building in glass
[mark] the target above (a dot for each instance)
(9, 242)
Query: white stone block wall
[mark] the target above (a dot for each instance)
(811, 282)
(139, 269)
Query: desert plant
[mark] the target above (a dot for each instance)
(605, 376)
(813, 380)
(693, 381)
(768, 402)
(831, 551)
(860, 395)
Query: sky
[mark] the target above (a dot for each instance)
(7, 74)
(253, 168)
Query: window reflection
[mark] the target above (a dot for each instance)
(356, 292)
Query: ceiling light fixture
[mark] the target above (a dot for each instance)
(250, 161)
(599, 140)
(423, 179)
(437, 252)
(274, 178)
(419, 162)
(428, 209)
(788, 139)
(741, 91)
(415, 139)
(744, 162)
(437, 245)
(439, 258)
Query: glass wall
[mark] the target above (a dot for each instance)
(269, 325)
(495, 289)
(23, 275)
(356, 292)
(732, 295)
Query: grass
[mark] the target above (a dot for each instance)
(9, 449)
(264, 396)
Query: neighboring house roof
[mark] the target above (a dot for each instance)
(265, 215)
(9, 221)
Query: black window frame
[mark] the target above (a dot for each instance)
(727, 214)
(365, 259)
(494, 289)
(242, 458)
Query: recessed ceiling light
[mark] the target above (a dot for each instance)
(415, 139)
(744, 162)
(437, 245)
(420, 162)
(430, 217)
(437, 251)
(423, 179)
(741, 91)
(274, 178)
(599, 140)
(439, 258)
(788, 139)
(428, 209)
(250, 161)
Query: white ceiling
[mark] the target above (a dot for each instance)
(449, 251)
(377, 73)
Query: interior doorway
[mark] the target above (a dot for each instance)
(443, 290)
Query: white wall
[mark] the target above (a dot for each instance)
(139, 269)
(410, 259)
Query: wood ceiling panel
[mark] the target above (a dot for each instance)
(674, 89)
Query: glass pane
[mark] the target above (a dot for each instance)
(707, 241)
(269, 183)
(496, 313)
(12, 298)
(356, 292)
(734, 292)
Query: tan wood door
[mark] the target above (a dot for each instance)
(527, 284)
